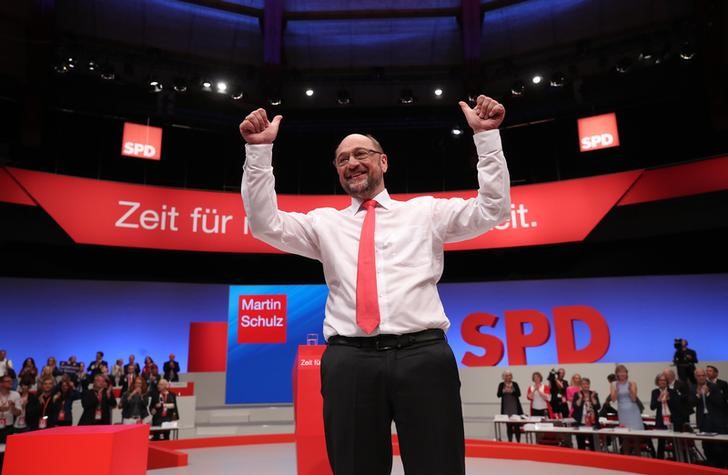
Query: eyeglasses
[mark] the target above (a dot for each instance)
(359, 155)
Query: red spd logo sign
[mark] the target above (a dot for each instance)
(141, 141)
(262, 318)
(599, 131)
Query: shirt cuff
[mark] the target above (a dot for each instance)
(488, 141)
(258, 155)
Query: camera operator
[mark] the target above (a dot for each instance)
(558, 386)
(684, 359)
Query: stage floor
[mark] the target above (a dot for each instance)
(280, 459)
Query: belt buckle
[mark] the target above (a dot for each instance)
(380, 345)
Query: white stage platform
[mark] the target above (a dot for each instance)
(280, 459)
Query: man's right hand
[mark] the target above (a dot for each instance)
(257, 129)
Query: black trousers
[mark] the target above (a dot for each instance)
(417, 387)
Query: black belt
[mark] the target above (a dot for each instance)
(388, 342)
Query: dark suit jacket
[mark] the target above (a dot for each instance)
(169, 368)
(34, 411)
(90, 402)
(156, 408)
(137, 369)
(673, 403)
(578, 405)
(716, 420)
(684, 408)
(516, 393)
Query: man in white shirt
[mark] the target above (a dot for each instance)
(9, 407)
(5, 363)
(387, 358)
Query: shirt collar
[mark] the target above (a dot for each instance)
(383, 200)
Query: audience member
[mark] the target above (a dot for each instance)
(607, 408)
(163, 407)
(557, 383)
(128, 380)
(20, 426)
(586, 409)
(134, 402)
(117, 372)
(5, 362)
(711, 372)
(148, 362)
(70, 367)
(41, 411)
(624, 392)
(84, 380)
(510, 395)
(683, 408)
(665, 402)
(29, 373)
(171, 369)
(50, 370)
(539, 395)
(153, 377)
(9, 407)
(97, 403)
(711, 415)
(573, 388)
(132, 362)
(68, 393)
(685, 360)
(94, 367)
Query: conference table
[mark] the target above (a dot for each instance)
(681, 441)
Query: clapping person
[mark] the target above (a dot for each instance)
(147, 369)
(132, 362)
(624, 392)
(9, 407)
(163, 407)
(128, 380)
(28, 373)
(510, 394)
(20, 425)
(51, 369)
(682, 407)
(539, 395)
(573, 388)
(586, 410)
(97, 403)
(171, 369)
(94, 367)
(711, 372)
(68, 393)
(153, 377)
(134, 402)
(665, 403)
(711, 415)
(41, 411)
(557, 383)
(71, 367)
(117, 372)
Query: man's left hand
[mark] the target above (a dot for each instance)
(487, 114)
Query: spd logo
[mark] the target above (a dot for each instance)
(141, 141)
(599, 131)
(262, 318)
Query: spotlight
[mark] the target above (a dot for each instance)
(237, 94)
(557, 79)
(343, 97)
(623, 65)
(537, 79)
(406, 96)
(518, 88)
(179, 85)
(206, 85)
(92, 65)
(70, 62)
(61, 68)
(647, 56)
(687, 52)
(221, 87)
(456, 131)
(309, 92)
(275, 101)
(438, 92)
(155, 86)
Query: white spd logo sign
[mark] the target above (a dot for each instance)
(597, 132)
(141, 141)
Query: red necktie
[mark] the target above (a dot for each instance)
(367, 304)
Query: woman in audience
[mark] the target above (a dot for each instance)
(147, 369)
(20, 425)
(134, 402)
(539, 395)
(51, 369)
(153, 377)
(117, 372)
(68, 393)
(83, 379)
(574, 387)
(163, 407)
(28, 373)
(510, 394)
(624, 392)
(586, 409)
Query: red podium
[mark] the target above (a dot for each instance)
(311, 458)
(79, 450)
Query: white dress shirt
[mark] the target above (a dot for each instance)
(409, 238)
